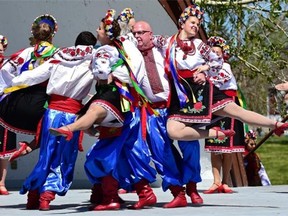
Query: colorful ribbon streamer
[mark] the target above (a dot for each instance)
(170, 62)
(143, 100)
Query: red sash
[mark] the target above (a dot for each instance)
(64, 104)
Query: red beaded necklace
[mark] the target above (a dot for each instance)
(187, 49)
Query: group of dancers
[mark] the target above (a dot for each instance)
(150, 91)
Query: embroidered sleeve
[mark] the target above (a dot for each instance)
(14, 63)
(35, 76)
(130, 37)
(103, 60)
(11, 68)
(7, 73)
(215, 62)
(160, 42)
(223, 76)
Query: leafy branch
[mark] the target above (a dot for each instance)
(215, 3)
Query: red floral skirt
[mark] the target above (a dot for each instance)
(203, 100)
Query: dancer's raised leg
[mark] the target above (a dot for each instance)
(179, 131)
(232, 110)
(94, 115)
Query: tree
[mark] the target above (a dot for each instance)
(257, 32)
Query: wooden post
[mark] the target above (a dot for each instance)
(238, 173)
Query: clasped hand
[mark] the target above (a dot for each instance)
(199, 76)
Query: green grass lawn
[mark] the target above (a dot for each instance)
(274, 156)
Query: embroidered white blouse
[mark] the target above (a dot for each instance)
(106, 56)
(68, 72)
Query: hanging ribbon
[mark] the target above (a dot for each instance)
(126, 59)
(145, 101)
(126, 97)
(14, 88)
(170, 62)
(141, 98)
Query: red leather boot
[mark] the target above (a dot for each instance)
(110, 199)
(179, 200)
(96, 194)
(33, 199)
(145, 194)
(191, 191)
(45, 199)
(21, 151)
(280, 130)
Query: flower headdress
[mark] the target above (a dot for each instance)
(3, 41)
(108, 23)
(126, 15)
(219, 42)
(251, 134)
(46, 18)
(191, 10)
